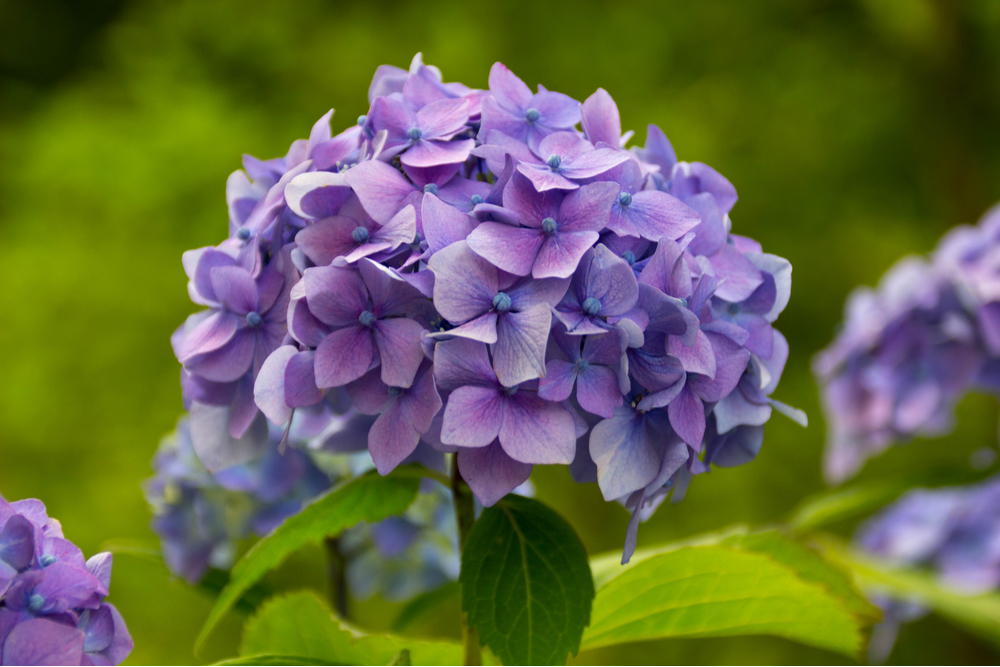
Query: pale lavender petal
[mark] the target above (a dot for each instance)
(269, 388)
(667, 271)
(343, 356)
(730, 361)
(390, 294)
(625, 457)
(597, 391)
(696, 358)
(687, 416)
(692, 178)
(444, 118)
(601, 121)
(235, 289)
(316, 195)
(654, 371)
(473, 416)
(530, 292)
(735, 410)
(557, 111)
(531, 207)
(543, 178)
(229, 362)
(207, 259)
(508, 89)
(482, 329)
(559, 254)
(490, 473)
(39, 641)
(611, 281)
(593, 163)
(395, 117)
(464, 283)
(462, 362)
(537, 431)
(658, 151)
(399, 346)
(588, 208)
(336, 295)
(211, 333)
(653, 215)
(736, 275)
(557, 385)
(391, 438)
(444, 224)
(327, 239)
(434, 153)
(519, 353)
(709, 234)
(383, 191)
(304, 326)
(512, 249)
(300, 381)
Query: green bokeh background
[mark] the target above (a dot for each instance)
(855, 132)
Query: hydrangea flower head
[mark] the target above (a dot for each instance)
(494, 274)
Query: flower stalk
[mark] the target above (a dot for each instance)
(465, 516)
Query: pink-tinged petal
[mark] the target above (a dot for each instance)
(444, 224)
(567, 145)
(490, 473)
(399, 346)
(215, 446)
(391, 438)
(472, 417)
(696, 358)
(390, 294)
(235, 289)
(687, 416)
(424, 154)
(537, 431)
(315, 195)
(383, 191)
(594, 163)
(709, 234)
(388, 79)
(667, 271)
(269, 388)
(500, 147)
(543, 178)
(653, 215)
(300, 381)
(211, 332)
(531, 207)
(464, 283)
(320, 130)
(327, 239)
(39, 641)
(512, 249)
(588, 208)
(462, 362)
(401, 229)
(597, 391)
(601, 121)
(736, 275)
(343, 356)
(336, 295)
(327, 154)
(731, 360)
(482, 329)
(444, 118)
(227, 363)
(304, 326)
(519, 353)
(556, 110)
(508, 89)
(622, 449)
(560, 253)
(557, 385)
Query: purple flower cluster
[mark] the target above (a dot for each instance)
(953, 531)
(475, 272)
(911, 349)
(52, 608)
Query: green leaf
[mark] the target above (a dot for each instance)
(402, 658)
(270, 659)
(301, 624)
(526, 584)
(423, 616)
(979, 613)
(711, 588)
(366, 498)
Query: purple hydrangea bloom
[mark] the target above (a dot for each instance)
(912, 348)
(473, 271)
(52, 608)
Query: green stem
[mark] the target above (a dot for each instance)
(465, 515)
(337, 571)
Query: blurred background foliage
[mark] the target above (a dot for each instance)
(855, 132)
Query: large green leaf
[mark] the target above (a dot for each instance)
(979, 613)
(526, 584)
(733, 583)
(300, 624)
(366, 498)
(436, 613)
(270, 659)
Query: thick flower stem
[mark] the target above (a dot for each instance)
(337, 571)
(465, 515)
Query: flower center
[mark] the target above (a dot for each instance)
(549, 226)
(35, 603)
(476, 200)
(625, 199)
(366, 318)
(629, 257)
(554, 161)
(360, 234)
(395, 391)
(431, 188)
(362, 119)
(46, 560)
(501, 302)
(531, 115)
(582, 365)
(591, 306)
(414, 134)
(510, 391)
(733, 308)
(254, 319)
(243, 234)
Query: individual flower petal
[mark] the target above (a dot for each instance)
(473, 416)
(519, 353)
(343, 356)
(537, 431)
(623, 451)
(491, 473)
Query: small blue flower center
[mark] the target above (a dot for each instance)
(414, 134)
(501, 302)
(733, 308)
(554, 161)
(46, 560)
(362, 119)
(360, 234)
(549, 226)
(582, 365)
(476, 200)
(531, 115)
(684, 302)
(243, 234)
(35, 603)
(366, 318)
(591, 306)
(431, 188)
(510, 391)
(629, 257)
(624, 199)
(395, 391)
(254, 319)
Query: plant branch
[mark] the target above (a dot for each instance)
(465, 516)
(337, 571)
